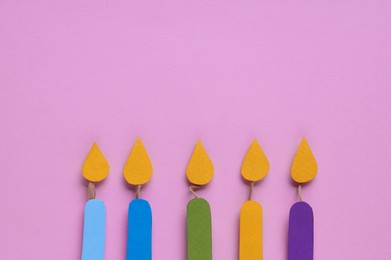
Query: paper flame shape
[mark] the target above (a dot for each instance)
(304, 167)
(138, 168)
(255, 165)
(95, 167)
(200, 169)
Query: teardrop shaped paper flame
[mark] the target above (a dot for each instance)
(304, 167)
(255, 165)
(138, 167)
(95, 167)
(200, 169)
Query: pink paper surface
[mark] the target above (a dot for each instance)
(75, 72)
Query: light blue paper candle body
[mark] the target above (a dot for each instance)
(139, 245)
(94, 230)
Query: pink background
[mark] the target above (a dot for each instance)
(75, 72)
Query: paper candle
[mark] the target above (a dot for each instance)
(254, 168)
(301, 218)
(199, 227)
(95, 169)
(137, 172)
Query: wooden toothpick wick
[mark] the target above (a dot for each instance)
(251, 190)
(138, 191)
(192, 190)
(91, 190)
(299, 193)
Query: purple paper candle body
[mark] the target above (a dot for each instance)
(301, 232)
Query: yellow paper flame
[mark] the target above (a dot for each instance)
(200, 168)
(255, 165)
(304, 167)
(95, 167)
(138, 167)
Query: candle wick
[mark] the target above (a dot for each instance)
(251, 190)
(192, 190)
(138, 191)
(299, 193)
(91, 190)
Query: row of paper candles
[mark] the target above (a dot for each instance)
(138, 171)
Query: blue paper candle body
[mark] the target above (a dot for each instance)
(301, 232)
(94, 230)
(139, 245)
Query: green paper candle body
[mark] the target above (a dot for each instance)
(199, 230)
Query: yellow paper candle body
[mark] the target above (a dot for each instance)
(250, 243)
(95, 167)
(255, 165)
(304, 166)
(200, 168)
(138, 167)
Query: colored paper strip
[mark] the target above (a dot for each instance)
(199, 230)
(139, 245)
(250, 244)
(301, 232)
(94, 230)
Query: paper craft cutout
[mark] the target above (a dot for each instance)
(139, 231)
(301, 232)
(250, 245)
(200, 168)
(255, 165)
(199, 230)
(95, 167)
(94, 230)
(138, 167)
(304, 166)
